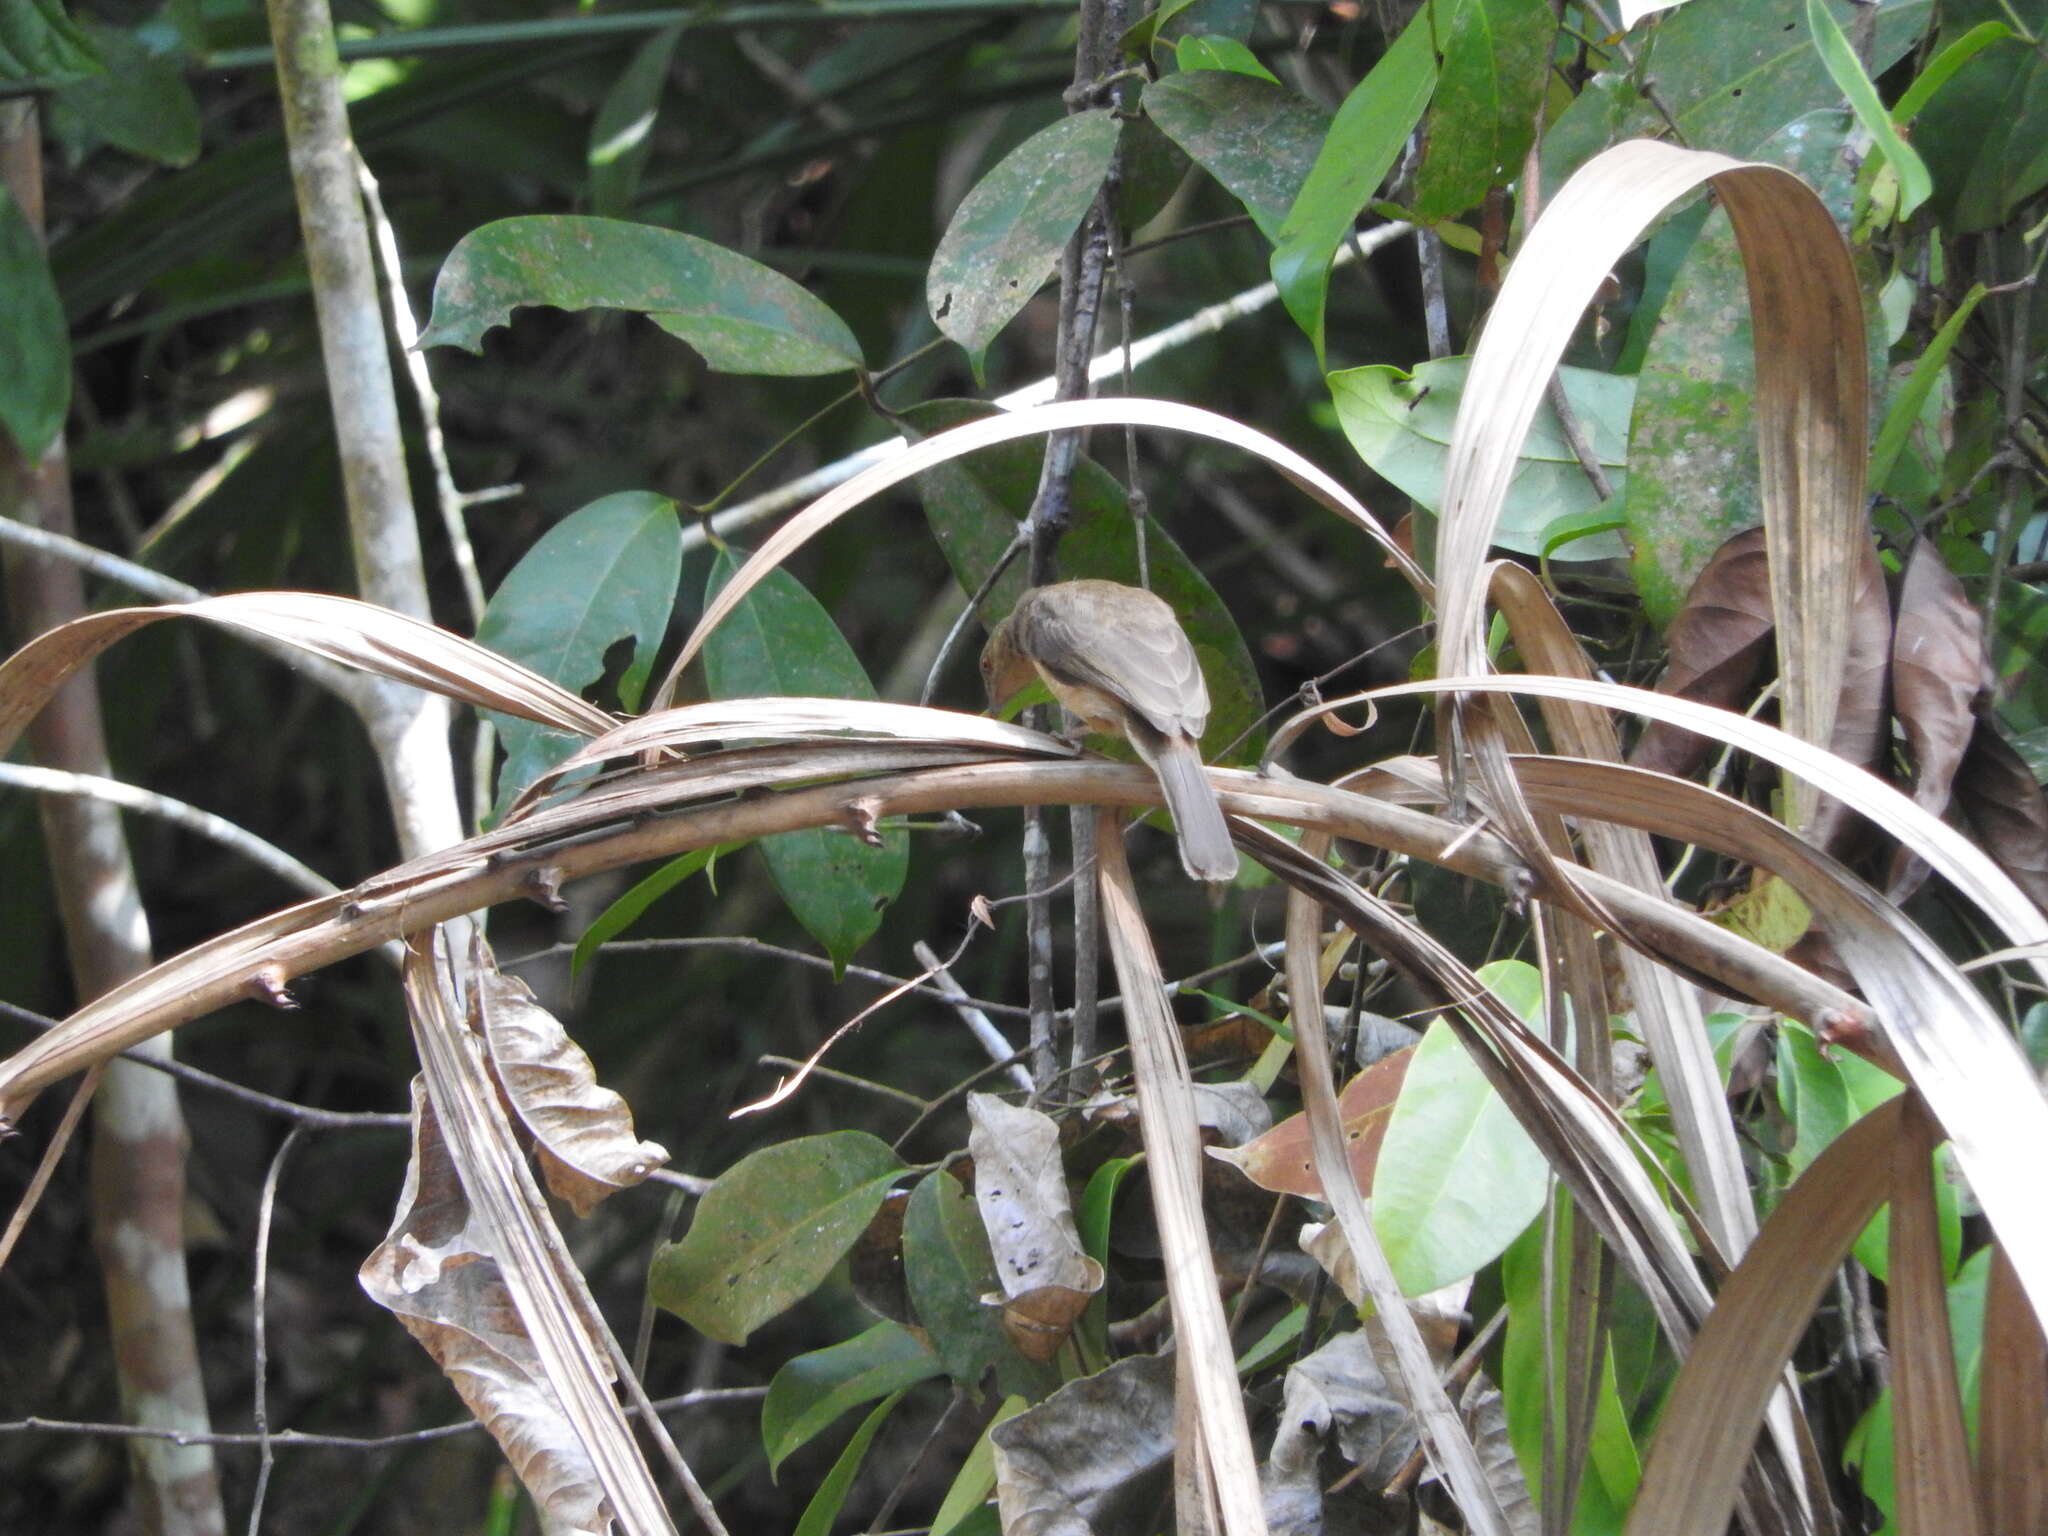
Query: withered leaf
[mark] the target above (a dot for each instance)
(1091, 1457)
(434, 1276)
(1280, 1160)
(1339, 1390)
(1020, 1189)
(1717, 645)
(1938, 675)
(583, 1132)
(1997, 792)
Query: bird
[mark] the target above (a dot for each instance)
(1117, 658)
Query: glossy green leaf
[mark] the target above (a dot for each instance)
(780, 642)
(1400, 424)
(770, 1229)
(1496, 59)
(1007, 234)
(140, 103)
(1943, 66)
(605, 573)
(976, 1479)
(813, 1390)
(1370, 128)
(1869, 1449)
(1458, 1177)
(974, 506)
(629, 908)
(1846, 70)
(1091, 1220)
(1823, 1096)
(1732, 73)
(743, 317)
(947, 1269)
(623, 131)
(35, 351)
(1256, 137)
(39, 42)
(823, 1509)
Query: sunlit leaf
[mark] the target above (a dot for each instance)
(1370, 128)
(743, 317)
(1496, 56)
(1400, 423)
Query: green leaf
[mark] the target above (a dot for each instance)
(1483, 117)
(1091, 1219)
(1007, 234)
(1943, 66)
(1458, 1177)
(629, 908)
(947, 1269)
(1905, 407)
(1847, 73)
(1206, 52)
(1732, 73)
(1400, 423)
(743, 317)
(780, 642)
(974, 506)
(1823, 1096)
(812, 1390)
(139, 104)
(1984, 135)
(39, 42)
(770, 1230)
(976, 1479)
(35, 351)
(823, 1509)
(605, 573)
(623, 131)
(1370, 128)
(1258, 138)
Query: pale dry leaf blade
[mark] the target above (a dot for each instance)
(1173, 1168)
(1710, 1420)
(1078, 1462)
(583, 1132)
(1030, 422)
(2012, 1432)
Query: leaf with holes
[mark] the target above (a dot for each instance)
(1007, 234)
(769, 1231)
(743, 317)
(604, 574)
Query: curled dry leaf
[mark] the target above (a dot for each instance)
(1996, 790)
(1020, 1188)
(1717, 646)
(1089, 1458)
(1485, 1414)
(1339, 1390)
(431, 1273)
(583, 1132)
(1281, 1159)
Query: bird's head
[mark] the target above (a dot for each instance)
(1005, 670)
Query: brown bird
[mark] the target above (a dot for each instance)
(1116, 657)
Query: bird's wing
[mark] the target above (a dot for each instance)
(1129, 648)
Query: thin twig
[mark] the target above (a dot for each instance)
(259, 1410)
(32, 1196)
(972, 1015)
(291, 1438)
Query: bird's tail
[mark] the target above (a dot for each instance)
(1205, 847)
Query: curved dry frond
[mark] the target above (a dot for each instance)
(1118, 411)
(339, 629)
